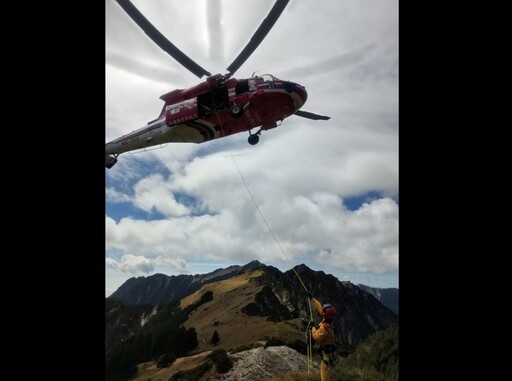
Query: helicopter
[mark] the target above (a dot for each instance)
(219, 106)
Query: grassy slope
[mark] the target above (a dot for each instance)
(236, 330)
(149, 370)
(224, 315)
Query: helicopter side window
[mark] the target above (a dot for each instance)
(242, 87)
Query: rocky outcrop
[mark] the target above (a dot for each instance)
(258, 364)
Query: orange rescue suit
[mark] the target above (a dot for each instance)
(323, 335)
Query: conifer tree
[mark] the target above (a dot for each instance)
(215, 338)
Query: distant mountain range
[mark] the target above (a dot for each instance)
(256, 299)
(387, 296)
(160, 288)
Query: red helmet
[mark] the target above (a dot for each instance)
(328, 311)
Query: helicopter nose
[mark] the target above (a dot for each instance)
(302, 93)
(297, 92)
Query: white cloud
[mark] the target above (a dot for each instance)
(346, 54)
(367, 240)
(113, 195)
(153, 193)
(173, 264)
(132, 264)
(361, 240)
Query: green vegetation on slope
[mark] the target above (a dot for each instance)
(161, 336)
(219, 358)
(375, 359)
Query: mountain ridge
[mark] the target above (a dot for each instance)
(271, 295)
(243, 306)
(387, 296)
(165, 288)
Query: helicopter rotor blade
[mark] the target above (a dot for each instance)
(310, 115)
(159, 39)
(258, 36)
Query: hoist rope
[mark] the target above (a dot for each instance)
(308, 332)
(309, 342)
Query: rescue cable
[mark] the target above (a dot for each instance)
(307, 332)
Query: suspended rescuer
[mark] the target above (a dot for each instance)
(324, 335)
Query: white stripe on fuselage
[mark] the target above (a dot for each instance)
(159, 132)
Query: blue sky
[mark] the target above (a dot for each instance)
(327, 189)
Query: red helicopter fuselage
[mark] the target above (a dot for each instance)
(215, 108)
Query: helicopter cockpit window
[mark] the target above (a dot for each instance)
(268, 78)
